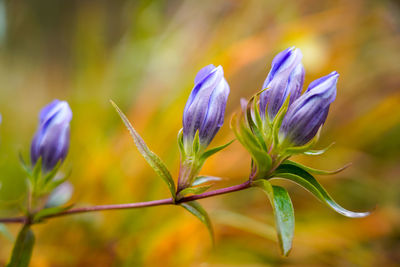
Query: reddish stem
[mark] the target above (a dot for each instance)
(160, 202)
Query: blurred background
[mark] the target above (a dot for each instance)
(144, 55)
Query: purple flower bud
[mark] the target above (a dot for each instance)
(306, 115)
(285, 78)
(51, 141)
(205, 108)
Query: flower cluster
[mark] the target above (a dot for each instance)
(280, 121)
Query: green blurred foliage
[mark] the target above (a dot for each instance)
(144, 55)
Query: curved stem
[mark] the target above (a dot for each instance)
(160, 202)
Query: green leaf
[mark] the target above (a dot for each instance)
(50, 175)
(36, 174)
(316, 171)
(152, 159)
(180, 142)
(257, 116)
(196, 142)
(4, 231)
(214, 150)
(42, 214)
(197, 210)
(306, 180)
(205, 179)
(193, 190)
(262, 158)
(25, 167)
(250, 142)
(277, 122)
(22, 251)
(283, 212)
(251, 111)
(317, 152)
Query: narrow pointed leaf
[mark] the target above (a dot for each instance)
(283, 212)
(250, 142)
(306, 180)
(25, 167)
(36, 172)
(152, 159)
(317, 152)
(316, 171)
(257, 115)
(196, 142)
(277, 122)
(180, 141)
(22, 251)
(214, 150)
(197, 210)
(49, 176)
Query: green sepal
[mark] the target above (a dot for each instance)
(193, 191)
(316, 152)
(205, 179)
(197, 210)
(283, 212)
(196, 143)
(23, 247)
(249, 141)
(50, 175)
(316, 171)
(48, 212)
(254, 126)
(277, 122)
(257, 116)
(25, 167)
(152, 159)
(36, 173)
(212, 151)
(306, 180)
(180, 142)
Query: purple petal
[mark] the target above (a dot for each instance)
(285, 77)
(204, 110)
(214, 117)
(203, 73)
(195, 111)
(51, 141)
(309, 111)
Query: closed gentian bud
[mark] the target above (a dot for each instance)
(285, 78)
(307, 114)
(51, 141)
(205, 108)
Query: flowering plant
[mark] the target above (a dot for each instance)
(273, 125)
